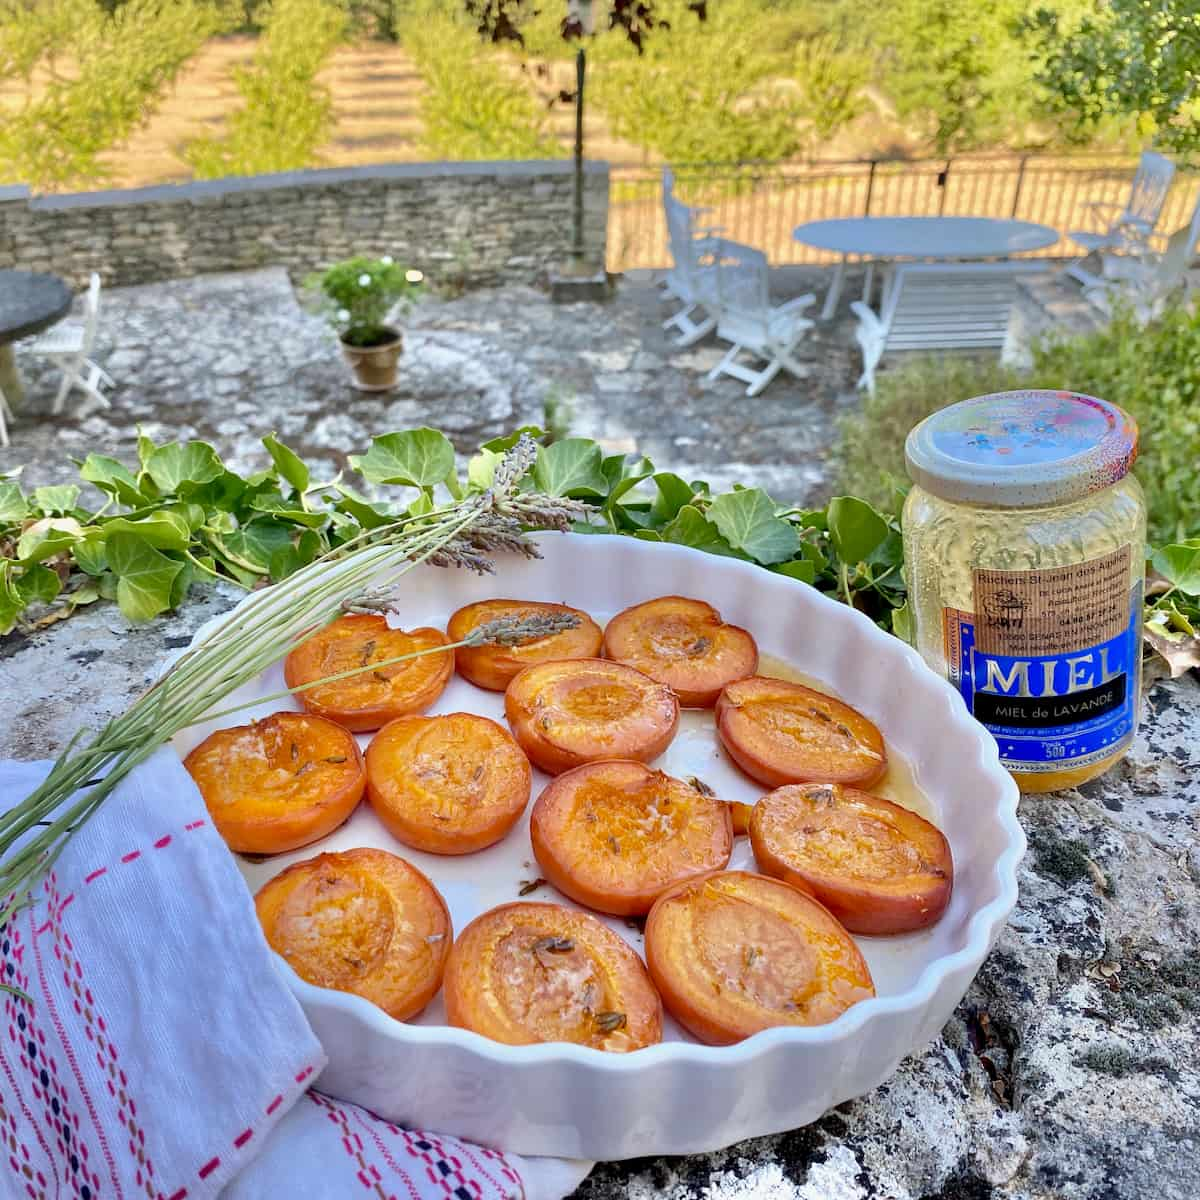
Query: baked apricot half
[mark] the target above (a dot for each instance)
(734, 953)
(279, 783)
(450, 784)
(525, 973)
(370, 699)
(362, 921)
(780, 732)
(565, 714)
(492, 667)
(878, 867)
(684, 644)
(614, 835)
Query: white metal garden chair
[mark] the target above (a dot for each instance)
(1146, 282)
(1130, 231)
(939, 306)
(753, 326)
(5, 413)
(68, 346)
(692, 279)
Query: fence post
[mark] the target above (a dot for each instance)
(870, 187)
(1020, 181)
(943, 176)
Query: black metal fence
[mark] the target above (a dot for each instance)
(762, 203)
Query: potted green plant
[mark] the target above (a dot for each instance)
(356, 296)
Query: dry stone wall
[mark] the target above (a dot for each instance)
(471, 224)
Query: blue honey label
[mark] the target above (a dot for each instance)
(1048, 661)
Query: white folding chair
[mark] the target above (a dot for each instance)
(1146, 282)
(751, 324)
(692, 278)
(1130, 231)
(68, 346)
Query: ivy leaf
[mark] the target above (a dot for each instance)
(571, 467)
(226, 491)
(165, 530)
(252, 545)
(90, 555)
(622, 475)
(288, 559)
(799, 568)
(48, 537)
(748, 522)
(285, 510)
(145, 448)
(180, 467)
(13, 505)
(690, 528)
(110, 476)
(855, 529)
(145, 577)
(418, 457)
(673, 494)
(369, 516)
(1179, 564)
(509, 440)
(481, 470)
(288, 463)
(21, 588)
(57, 500)
(902, 623)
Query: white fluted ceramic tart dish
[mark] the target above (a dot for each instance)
(680, 1096)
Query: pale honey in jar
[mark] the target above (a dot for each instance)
(1024, 544)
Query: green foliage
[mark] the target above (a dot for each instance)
(286, 115)
(1128, 58)
(831, 75)
(357, 293)
(475, 105)
(1153, 372)
(125, 62)
(963, 69)
(706, 91)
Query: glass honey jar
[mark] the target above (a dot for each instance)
(1024, 544)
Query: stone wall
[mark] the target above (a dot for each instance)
(471, 224)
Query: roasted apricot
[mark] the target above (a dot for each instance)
(370, 699)
(279, 783)
(878, 867)
(492, 667)
(733, 953)
(525, 973)
(565, 714)
(614, 835)
(684, 644)
(448, 785)
(362, 921)
(780, 732)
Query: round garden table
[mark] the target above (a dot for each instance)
(890, 238)
(29, 302)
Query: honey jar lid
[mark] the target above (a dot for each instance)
(1022, 449)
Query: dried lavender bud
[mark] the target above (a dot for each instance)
(514, 466)
(516, 631)
(609, 1022)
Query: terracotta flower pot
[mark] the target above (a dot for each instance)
(374, 368)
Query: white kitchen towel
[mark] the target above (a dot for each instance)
(157, 1052)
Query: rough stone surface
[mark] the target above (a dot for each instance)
(1071, 1071)
(231, 357)
(470, 223)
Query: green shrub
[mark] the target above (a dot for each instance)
(1152, 372)
(473, 107)
(126, 61)
(286, 114)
